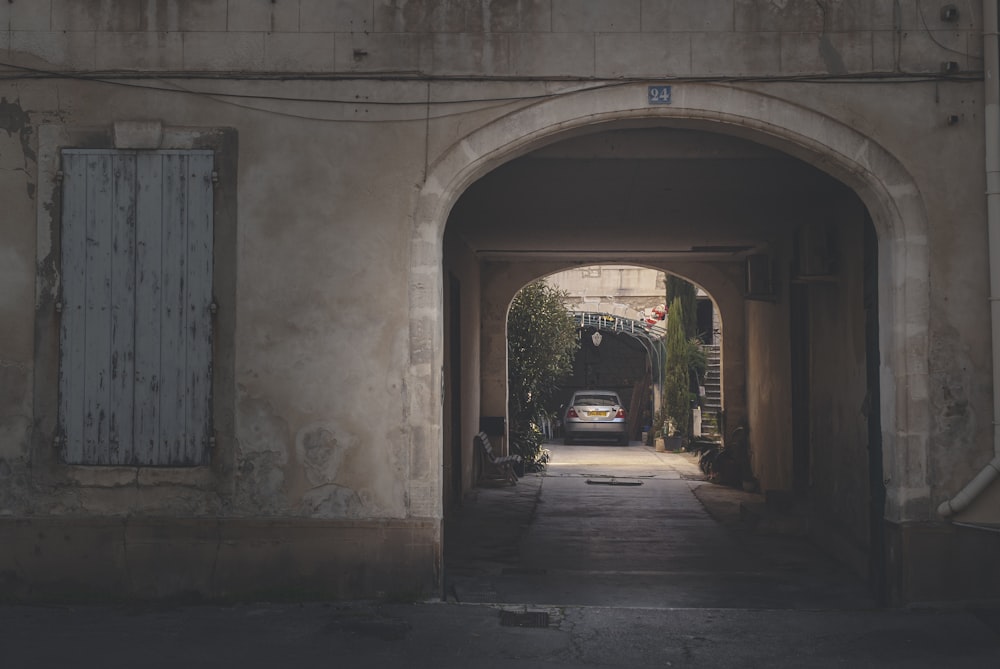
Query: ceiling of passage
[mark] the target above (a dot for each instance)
(636, 193)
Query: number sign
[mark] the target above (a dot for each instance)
(658, 95)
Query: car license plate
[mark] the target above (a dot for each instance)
(597, 413)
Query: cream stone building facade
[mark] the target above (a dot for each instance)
(257, 257)
(627, 289)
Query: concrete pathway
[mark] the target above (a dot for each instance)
(624, 527)
(576, 574)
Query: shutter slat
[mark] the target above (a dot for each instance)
(173, 407)
(199, 301)
(73, 320)
(121, 365)
(149, 213)
(97, 385)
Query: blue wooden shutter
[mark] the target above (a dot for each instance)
(136, 331)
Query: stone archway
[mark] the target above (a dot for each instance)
(876, 176)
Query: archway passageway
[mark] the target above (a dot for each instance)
(773, 240)
(802, 267)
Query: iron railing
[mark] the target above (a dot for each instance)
(615, 323)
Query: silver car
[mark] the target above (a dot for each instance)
(595, 414)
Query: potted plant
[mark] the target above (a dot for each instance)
(674, 438)
(658, 430)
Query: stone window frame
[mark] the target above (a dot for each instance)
(49, 468)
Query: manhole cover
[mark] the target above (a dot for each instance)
(524, 619)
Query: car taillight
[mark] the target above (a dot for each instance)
(571, 413)
(621, 413)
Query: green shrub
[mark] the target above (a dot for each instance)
(541, 343)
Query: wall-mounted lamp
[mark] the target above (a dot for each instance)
(596, 338)
(949, 13)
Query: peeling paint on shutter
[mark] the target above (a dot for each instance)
(198, 302)
(122, 311)
(147, 305)
(136, 332)
(72, 336)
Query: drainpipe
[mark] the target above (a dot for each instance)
(991, 59)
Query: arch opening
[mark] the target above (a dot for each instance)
(627, 306)
(755, 226)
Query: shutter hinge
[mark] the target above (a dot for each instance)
(59, 307)
(215, 177)
(58, 441)
(213, 308)
(59, 176)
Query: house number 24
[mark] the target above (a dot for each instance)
(658, 95)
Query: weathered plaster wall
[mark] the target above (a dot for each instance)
(537, 38)
(320, 354)
(316, 420)
(344, 186)
(292, 455)
(320, 383)
(17, 249)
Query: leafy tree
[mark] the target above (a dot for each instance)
(541, 343)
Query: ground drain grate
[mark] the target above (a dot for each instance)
(524, 619)
(613, 482)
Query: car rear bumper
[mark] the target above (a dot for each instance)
(595, 429)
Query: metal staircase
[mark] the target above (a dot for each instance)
(712, 404)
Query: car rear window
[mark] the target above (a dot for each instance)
(596, 400)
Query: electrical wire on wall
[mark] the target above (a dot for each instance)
(937, 42)
(167, 82)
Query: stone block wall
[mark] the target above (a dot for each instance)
(538, 38)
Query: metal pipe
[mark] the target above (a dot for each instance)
(991, 60)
